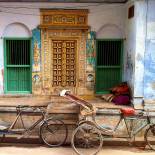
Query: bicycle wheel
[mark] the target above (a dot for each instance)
(87, 139)
(150, 137)
(53, 132)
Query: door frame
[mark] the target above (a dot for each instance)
(5, 63)
(121, 63)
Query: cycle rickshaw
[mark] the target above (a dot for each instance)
(90, 136)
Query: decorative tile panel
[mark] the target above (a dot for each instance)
(46, 60)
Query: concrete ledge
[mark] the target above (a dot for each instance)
(109, 142)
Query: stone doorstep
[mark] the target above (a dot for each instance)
(15, 95)
(14, 100)
(59, 104)
(55, 100)
(23, 101)
(36, 100)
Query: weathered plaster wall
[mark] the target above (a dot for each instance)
(140, 13)
(100, 16)
(130, 45)
(140, 47)
(149, 76)
(136, 49)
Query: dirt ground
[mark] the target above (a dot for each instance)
(41, 150)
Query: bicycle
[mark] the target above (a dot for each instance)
(52, 130)
(90, 135)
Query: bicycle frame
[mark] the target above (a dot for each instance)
(109, 132)
(130, 133)
(148, 122)
(23, 129)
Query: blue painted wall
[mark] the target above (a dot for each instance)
(149, 74)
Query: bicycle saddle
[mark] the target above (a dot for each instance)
(128, 111)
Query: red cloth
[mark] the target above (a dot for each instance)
(121, 100)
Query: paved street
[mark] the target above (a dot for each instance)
(40, 150)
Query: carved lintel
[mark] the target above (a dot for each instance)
(61, 27)
(67, 19)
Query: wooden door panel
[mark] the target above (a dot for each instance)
(64, 62)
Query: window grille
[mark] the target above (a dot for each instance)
(109, 64)
(18, 68)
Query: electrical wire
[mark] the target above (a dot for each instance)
(24, 7)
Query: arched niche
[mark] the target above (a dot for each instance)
(110, 31)
(16, 30)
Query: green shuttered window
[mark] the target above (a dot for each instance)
(108, 65)
(17, 65)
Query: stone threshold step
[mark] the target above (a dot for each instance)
(15, 95)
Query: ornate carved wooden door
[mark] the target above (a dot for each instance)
(63, 36)
(64, 63)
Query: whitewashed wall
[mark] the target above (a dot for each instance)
(130, 46)
(28, 14)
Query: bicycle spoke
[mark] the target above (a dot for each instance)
(53, 132)
(87, 139)
(150, 137)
